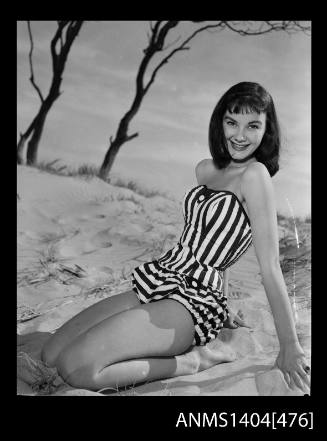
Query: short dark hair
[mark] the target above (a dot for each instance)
(246, 97)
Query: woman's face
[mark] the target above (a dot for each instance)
(243, 132)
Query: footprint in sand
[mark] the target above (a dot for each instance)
(78, 245)
(102, 239)
(238, 295)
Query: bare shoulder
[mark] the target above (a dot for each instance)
(256, 170)
(258, 192)
(203, 170)
(255, 178)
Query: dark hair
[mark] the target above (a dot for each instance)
(246, 97)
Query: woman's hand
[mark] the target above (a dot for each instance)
(294, 366)
(235, 320)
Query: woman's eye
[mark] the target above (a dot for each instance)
(253, 126)
(230, 123)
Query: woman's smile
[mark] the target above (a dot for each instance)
(243, 132)
(239, 147)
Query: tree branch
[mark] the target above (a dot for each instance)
(181, 47)
(153, 36)
(128, 138)
(268, 26)
(264, 28)
(172, 43)
(31, 62)
(53, 44)
(159, 43)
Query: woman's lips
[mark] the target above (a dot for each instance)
(238, 147)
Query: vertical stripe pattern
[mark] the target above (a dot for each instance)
(216, 234)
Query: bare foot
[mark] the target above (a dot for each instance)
(206, 357)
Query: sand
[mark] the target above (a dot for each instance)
(78, 241)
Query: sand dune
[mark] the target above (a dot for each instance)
(78, 241)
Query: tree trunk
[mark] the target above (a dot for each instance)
(32, 146)
(110, 158)
(20, 149)
(59, 58)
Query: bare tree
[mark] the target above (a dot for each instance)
(60, 46)
(157, 43)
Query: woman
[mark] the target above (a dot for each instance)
(178, 303)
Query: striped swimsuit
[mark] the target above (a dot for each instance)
(216, 233)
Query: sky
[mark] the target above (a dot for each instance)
(99, 85)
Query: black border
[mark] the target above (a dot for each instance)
(158, 415)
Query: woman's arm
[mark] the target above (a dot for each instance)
(257, 190)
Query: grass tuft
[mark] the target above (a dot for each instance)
(137, 188)
(52, 167)
(84, 170)
(91, 171)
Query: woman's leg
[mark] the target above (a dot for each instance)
(132, 372)
(194, 360)
(85, 320)
(159, 329)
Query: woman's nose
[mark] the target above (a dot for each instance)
(239, 136)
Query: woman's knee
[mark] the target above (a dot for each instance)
(49, 352)
(84, 377)
(53, 348)
(77, 369)
(76, 361)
